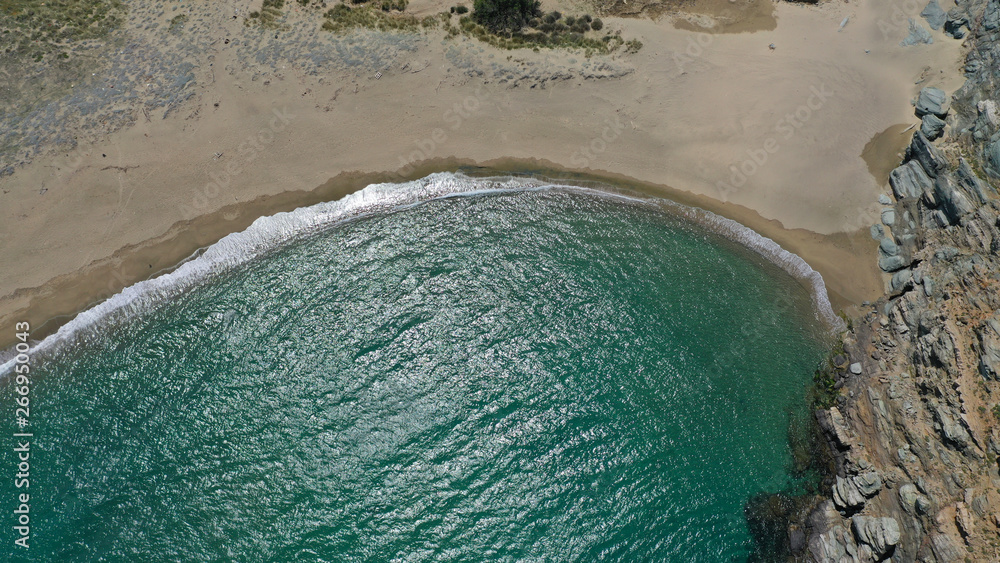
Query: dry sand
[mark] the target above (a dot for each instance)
(685, 112)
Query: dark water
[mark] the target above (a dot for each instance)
(540, 376)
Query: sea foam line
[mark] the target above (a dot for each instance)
(270, 232)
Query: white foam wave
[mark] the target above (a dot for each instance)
(267, 233)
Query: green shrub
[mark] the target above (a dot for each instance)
(597, 24)
(507, 16)
(461, 9)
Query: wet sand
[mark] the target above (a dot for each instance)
(688, 117)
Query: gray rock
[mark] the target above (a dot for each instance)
(993, 159)
(901, 280)
(955, 22)
(923, 505)
(944, 548)
(881, 534)
(877, 232)
(934, 15)
(951, 200)
(952, 431)
(908, 497)
(851, 493)
(991, 17)
(846, 495)
(929, 157)
(833, 425)
(989, 344)
(892, 263)
(869, 484)
(946, 253)
(888, 247)
(856, 368)
(832, 546)
(932, 126)
(888, 217)
(932, 101)
(884, 199)
(918, 34)
(972, 184)
(910, 181)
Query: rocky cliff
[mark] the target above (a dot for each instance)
(915, 422)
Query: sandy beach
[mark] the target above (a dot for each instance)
(794, 141)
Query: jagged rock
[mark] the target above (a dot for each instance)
(877, 232)
(831, 546)
(945, 549)
(892, 263)
(832, 423)
(881, 534)
(989, 344)
(929, 157)
(918, 34)
(952, 201)
(955, 22)
(869, 484)
(888, 217)
(932, 101)
(851, 493)
(972, 183)
(923, 505)
(952, 431)
(993, 159)
(932, 126)
(963, 519)
(934, 15)
(991, 17)
(946, 253)
(910, 181)
(901, 279)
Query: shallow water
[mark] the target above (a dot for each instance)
(524, 375)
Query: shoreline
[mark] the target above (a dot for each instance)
(57, 302)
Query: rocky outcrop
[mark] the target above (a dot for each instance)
(915, 426)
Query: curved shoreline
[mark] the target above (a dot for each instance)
(269, 232)
(55, 303)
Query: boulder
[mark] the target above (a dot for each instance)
(888, 217)
(888, 247)
(881, 534)
(989, 345)
(918, 34)
(833, 425)
(856, 368)
(892, 263)
(884, 199)
(932, 101)
(901, 280)
(850, 494)
(910, 181)
(877, 232)
(955, 22)
(934, 15)
(929, 157)
(932, 126)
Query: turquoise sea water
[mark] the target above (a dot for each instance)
(539, 375)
